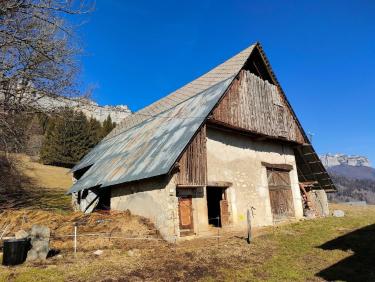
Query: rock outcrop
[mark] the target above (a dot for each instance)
(87, 106)
(353, 176)
(330, 160)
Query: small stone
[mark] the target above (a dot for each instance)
(130, 253)
(98, 252)
(338, 213)
(21, 234)
(309, 214)
(40, 231)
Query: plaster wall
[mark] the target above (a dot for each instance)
(238, 159)
(154, 199)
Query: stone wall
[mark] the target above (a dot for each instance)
(154, 199)
(232, 158)
(319, 202)
(238, 159)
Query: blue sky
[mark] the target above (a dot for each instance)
(323, 53)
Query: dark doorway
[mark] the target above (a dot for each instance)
(104, 199)
(217, 206)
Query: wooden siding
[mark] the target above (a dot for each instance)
(257, 106)
(280, 191)
(193, 162)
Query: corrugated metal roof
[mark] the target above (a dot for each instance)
(148, 143)
(222, 72)
(152, 147)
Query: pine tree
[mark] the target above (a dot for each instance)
(34, 137)
(43, 121)
(47, 151)
(108, 125)
(67, 139)
(95, 130)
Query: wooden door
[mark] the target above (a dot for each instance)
(224, 212)
(280, 191)
(185, 209)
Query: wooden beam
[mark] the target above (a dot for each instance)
(278, 166)
(189, 186)
(223, 184)
(213, 123)
(299, 149)
(309, 183)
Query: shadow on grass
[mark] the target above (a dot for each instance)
(19, 191)
(358, 267)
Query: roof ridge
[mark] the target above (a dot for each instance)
(221, 72)
(158, 114)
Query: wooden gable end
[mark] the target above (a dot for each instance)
(255, 105)
(193, 162)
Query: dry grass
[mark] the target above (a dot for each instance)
(292, 252)
(316, 250)
(109, 224)
(45, 176)
(30, 185)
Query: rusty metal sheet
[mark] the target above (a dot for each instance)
(150, 148)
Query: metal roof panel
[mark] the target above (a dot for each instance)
(150, 148)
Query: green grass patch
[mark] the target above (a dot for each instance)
(317, 250)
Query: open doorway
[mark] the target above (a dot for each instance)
(104, 200)
(217, 206)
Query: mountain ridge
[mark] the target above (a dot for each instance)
(353, 176)
(88, 107)
(330, 160)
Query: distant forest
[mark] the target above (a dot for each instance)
(63, 138)
(351, 189)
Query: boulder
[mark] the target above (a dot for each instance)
(39, 235)
(338, 213)
(98, 252)
(40, 231)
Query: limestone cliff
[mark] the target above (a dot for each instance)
(87, 106)
(330, 160)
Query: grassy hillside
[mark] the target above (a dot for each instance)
(45, 176)
(31, 185)
(315, 250)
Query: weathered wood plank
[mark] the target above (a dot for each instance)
(193, 162)
(256, 105)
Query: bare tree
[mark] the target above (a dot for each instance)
(38, 58)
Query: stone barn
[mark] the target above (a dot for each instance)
(220, 147)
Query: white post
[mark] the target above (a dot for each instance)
(75, 239)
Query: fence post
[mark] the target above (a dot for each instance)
(218, 230)
(75, 238)
(248, 226)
